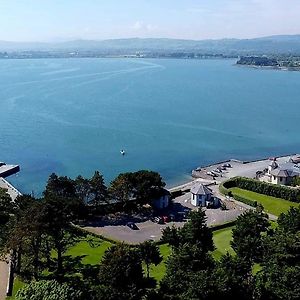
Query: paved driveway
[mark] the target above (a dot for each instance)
(150, 230)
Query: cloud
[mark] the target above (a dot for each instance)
(144, 27)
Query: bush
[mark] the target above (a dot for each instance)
(245, 200)
(48, 290)
(260, 187)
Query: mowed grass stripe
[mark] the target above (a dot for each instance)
(272, 205)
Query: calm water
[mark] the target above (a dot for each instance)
(72, 116)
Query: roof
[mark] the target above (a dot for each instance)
(286, 170)
(200, 189)
(273, 164)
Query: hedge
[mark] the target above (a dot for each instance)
(245, 200)
(269, 189)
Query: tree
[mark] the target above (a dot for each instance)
(290, 221)
(247, 235)
(170, 235)
(48, 290)
(98, 190)
(196, 232)
(60, 187)
(121, 274)
(83, 189)
(26, 239)
(142, 186)
(150, 254)
(121, 189)
(147, 185)
(57, 217)
(183, 266)
(6, 209)
(233, 278)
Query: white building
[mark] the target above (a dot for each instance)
(283, 173)
(201, 195)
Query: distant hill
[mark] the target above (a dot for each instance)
(281, 44)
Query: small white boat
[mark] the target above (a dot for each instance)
(122, 152)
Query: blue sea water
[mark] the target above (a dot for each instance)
(72, 116)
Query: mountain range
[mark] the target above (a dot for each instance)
(277, 44)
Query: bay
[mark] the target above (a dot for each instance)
(73, 116)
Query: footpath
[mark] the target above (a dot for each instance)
(3, 279)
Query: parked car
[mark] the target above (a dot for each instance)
(165, 219)
(158, 220)
(172, 217)
(132, 226)
(227, 165)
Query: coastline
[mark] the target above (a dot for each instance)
(275, 68)
(245, 164)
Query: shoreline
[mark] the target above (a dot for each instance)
(274, 68)
(245, 163)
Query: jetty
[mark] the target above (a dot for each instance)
(7, 170)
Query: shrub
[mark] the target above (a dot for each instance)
(260, 187)
(245, 200)
(48, 290)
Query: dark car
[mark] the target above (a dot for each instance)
(158, 220)
(132, 226)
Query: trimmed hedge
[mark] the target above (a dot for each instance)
(260, 187)
(245, 200)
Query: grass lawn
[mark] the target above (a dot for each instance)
(159, 271)
(18, 284)
(272, 205)
(222, 240)
(92, 248)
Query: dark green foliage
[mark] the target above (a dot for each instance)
(290, 222)
(142, 187)
(121, 274)
(150, 254)
(296, 181)
(184, 264)
(170, 235)
(245, 200)
(196, 232)
(260, 187)
(48, 290)
(247, 235)
(190, 260)
(233, 278)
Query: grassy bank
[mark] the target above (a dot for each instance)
(272, 205)
(222, 239)
(92, 250)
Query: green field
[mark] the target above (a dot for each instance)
(222, 240)
(92, 249)
(271, 205)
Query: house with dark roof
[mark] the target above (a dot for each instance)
(162, 200)
(203, 196)
(283, 173)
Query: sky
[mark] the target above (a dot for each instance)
(62, 20)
